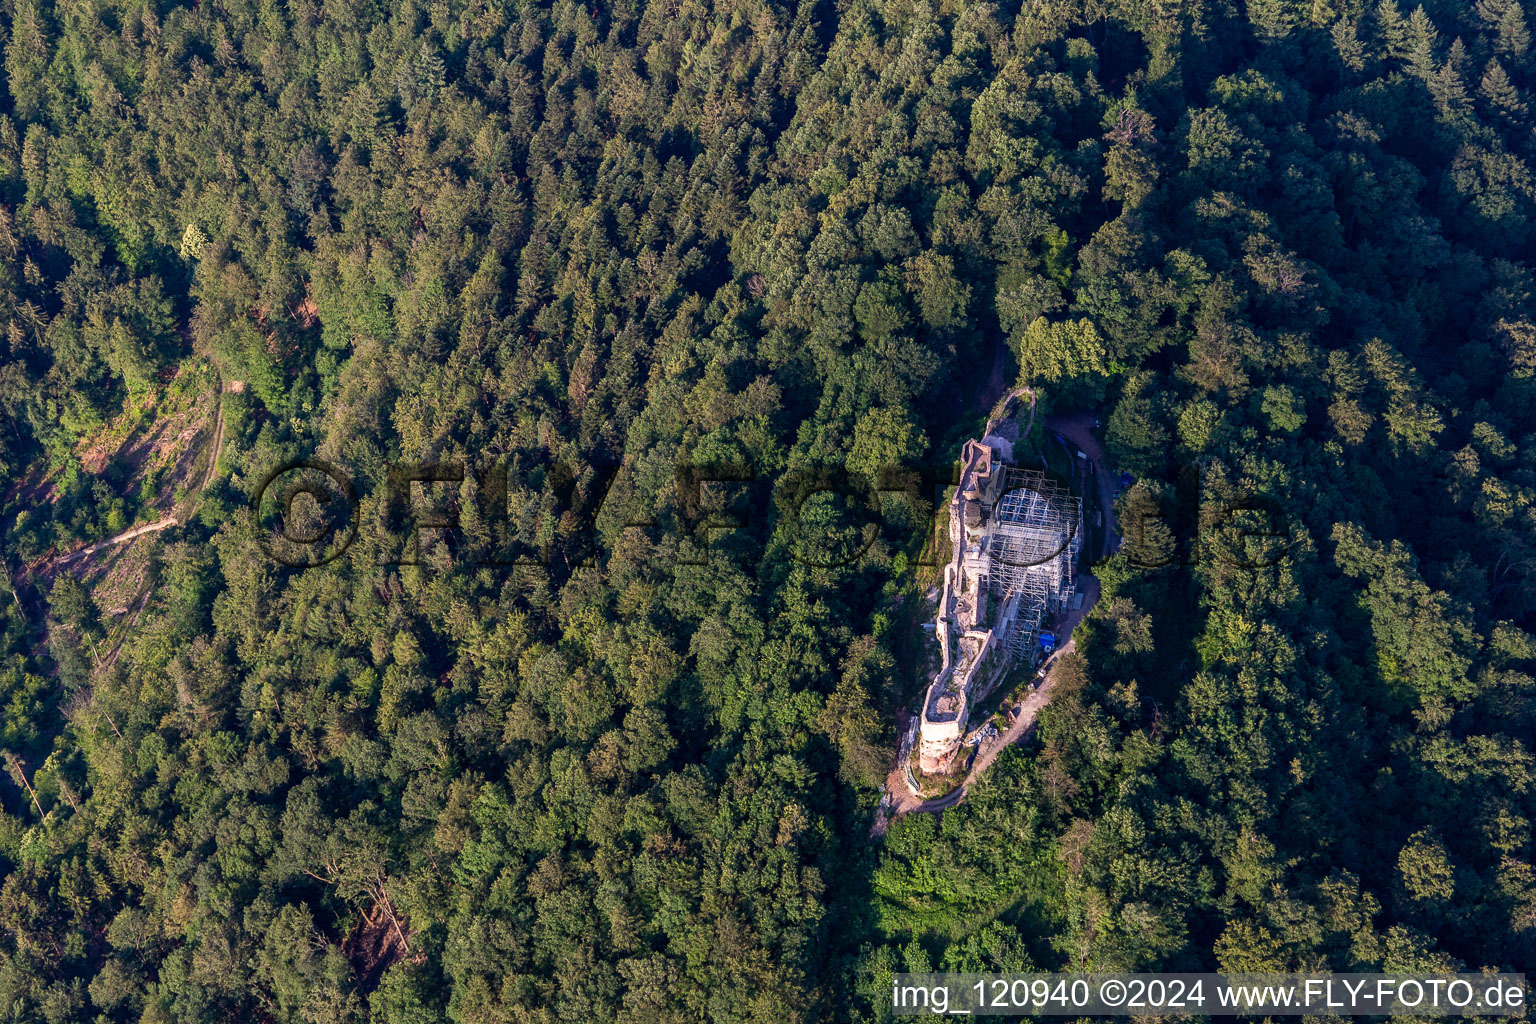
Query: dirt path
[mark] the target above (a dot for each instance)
(997, 380)
(1000, 407)
(208, 475)
(1024, 716)
(133, 620)
(1077, 428)
(218, 441)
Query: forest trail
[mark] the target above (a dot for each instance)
(218, 441)
(997, 382)
(1000, 408)
(133, 620)
(1024, 713)
(1078, 428)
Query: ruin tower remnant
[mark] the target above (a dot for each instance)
(1014, 536)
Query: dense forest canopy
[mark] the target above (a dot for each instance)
(1283, 247)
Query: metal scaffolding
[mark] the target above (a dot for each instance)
(1033, 537)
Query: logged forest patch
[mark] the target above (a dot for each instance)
(159, 439)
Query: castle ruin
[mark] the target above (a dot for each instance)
(1015, 535)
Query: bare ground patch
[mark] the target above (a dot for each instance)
(376, 942)
(158, 437)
